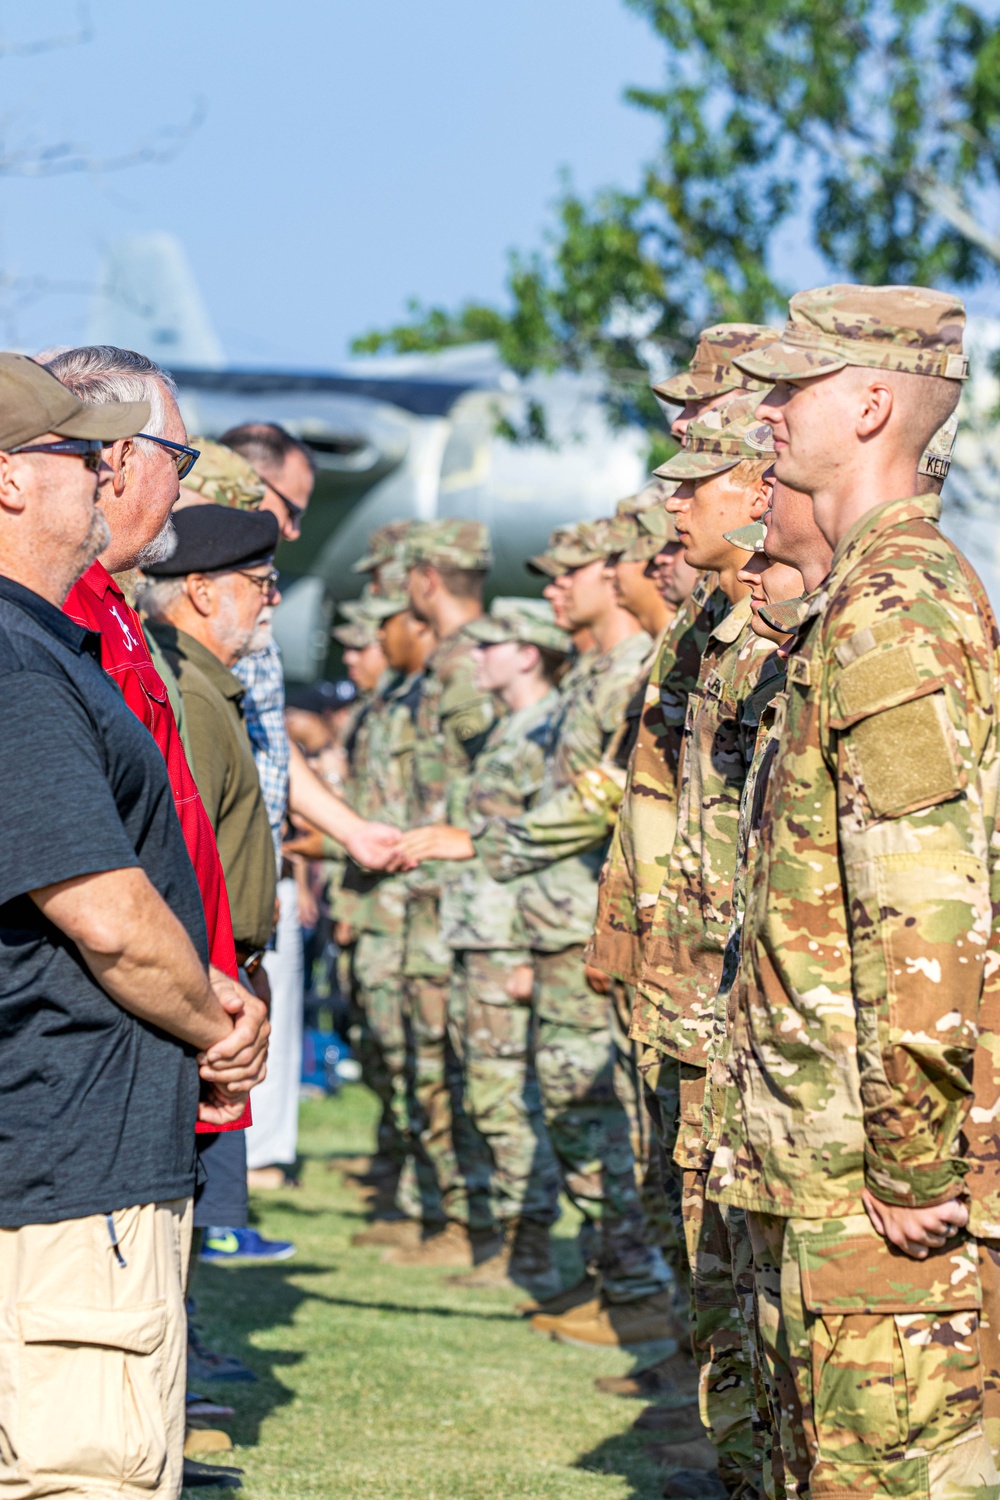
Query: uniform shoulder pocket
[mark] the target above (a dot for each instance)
(900, 744)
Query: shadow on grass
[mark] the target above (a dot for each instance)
(625, 1455)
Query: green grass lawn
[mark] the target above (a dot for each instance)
(380, 1382)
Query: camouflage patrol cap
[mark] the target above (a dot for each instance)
(545, 562)
(935, 460)
(586, 542)
(450, 543)
(383, 543)
(530, 622)
(655, 492)
(655, 529)
(910, 328)
(712, 371)
(357, 634)
(222, 477)
(749, 538)
(720, 439)
(381, 607)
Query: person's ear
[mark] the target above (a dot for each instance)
(200, 590)
(875, 408)
(762, 496)
(121, 460)
(13, 493)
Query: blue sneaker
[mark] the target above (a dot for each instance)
(238, 1245)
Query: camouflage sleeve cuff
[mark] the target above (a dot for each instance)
(331, 849)
(914, 1186)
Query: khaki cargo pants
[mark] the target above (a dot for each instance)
(93, 1349)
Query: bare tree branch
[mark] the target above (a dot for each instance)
(67, 156)
(78, 38)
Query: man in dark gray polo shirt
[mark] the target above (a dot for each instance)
(107, 1013)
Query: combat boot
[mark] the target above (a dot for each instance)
(391, 1232)
(524, 1261)
(581, 1291)
(671, 1424)
(675, 1377)
(619, 1325)
(453, 1247)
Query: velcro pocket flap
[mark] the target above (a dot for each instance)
(876, 681)
(861, 1274)
(137, 1330)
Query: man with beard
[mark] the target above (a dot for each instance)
(208, 606)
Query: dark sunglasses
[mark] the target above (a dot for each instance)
(266, 582)
(89, 449)
(184, 457)
(295, 512)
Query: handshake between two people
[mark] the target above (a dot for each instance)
(378, 846)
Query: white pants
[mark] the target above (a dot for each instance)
(272, 1139)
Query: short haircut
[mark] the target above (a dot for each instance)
(154, 596)
(553, 663)
(99, 373)
(750, 470)
(265, 446)
(461, 583)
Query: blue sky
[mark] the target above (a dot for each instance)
(353, 153)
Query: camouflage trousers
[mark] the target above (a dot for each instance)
(873, 1361)
(446, 1174)
(589, 1129)
(661, 1085)
(377, 1034)
(636, 1077)
(491, 1035)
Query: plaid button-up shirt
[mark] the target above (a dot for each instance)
(264, 710)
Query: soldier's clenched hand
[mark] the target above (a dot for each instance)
(916, 1230)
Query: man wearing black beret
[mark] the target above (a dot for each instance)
(207, 606)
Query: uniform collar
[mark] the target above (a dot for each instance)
(732, 625)
(868, 528)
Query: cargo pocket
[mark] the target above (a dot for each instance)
(90, 1393)
(893, 1347)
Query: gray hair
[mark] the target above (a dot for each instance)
(154, 596)
(99, 373)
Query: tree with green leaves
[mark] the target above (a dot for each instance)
(869, 128)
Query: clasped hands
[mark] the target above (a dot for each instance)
(230, 1068)
(377, 846)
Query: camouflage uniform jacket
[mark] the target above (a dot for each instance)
(644, 832)
(476, 910)
(380, 758)
(453, 719)
(872, 909)
(682, 954)
(760, 715)
(558, 903)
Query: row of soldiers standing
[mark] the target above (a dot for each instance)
(756, 732)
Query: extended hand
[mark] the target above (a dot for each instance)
(234, 1065)
(916, 1230)
(372, 845)
(309, 845)
(437, 841)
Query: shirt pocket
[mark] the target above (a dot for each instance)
(900, 745)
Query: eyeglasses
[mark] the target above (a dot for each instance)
(266, 582)
(89, 449)
(295, 512)
(184, 457)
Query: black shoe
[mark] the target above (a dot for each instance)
(201, 1476)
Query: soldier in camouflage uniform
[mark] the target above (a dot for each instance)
(574, 1052)
(713, 375)
(861, 1135)
(446, 564)
(520, 650)
(220, 477)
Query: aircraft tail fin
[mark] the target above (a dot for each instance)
(148, 299)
